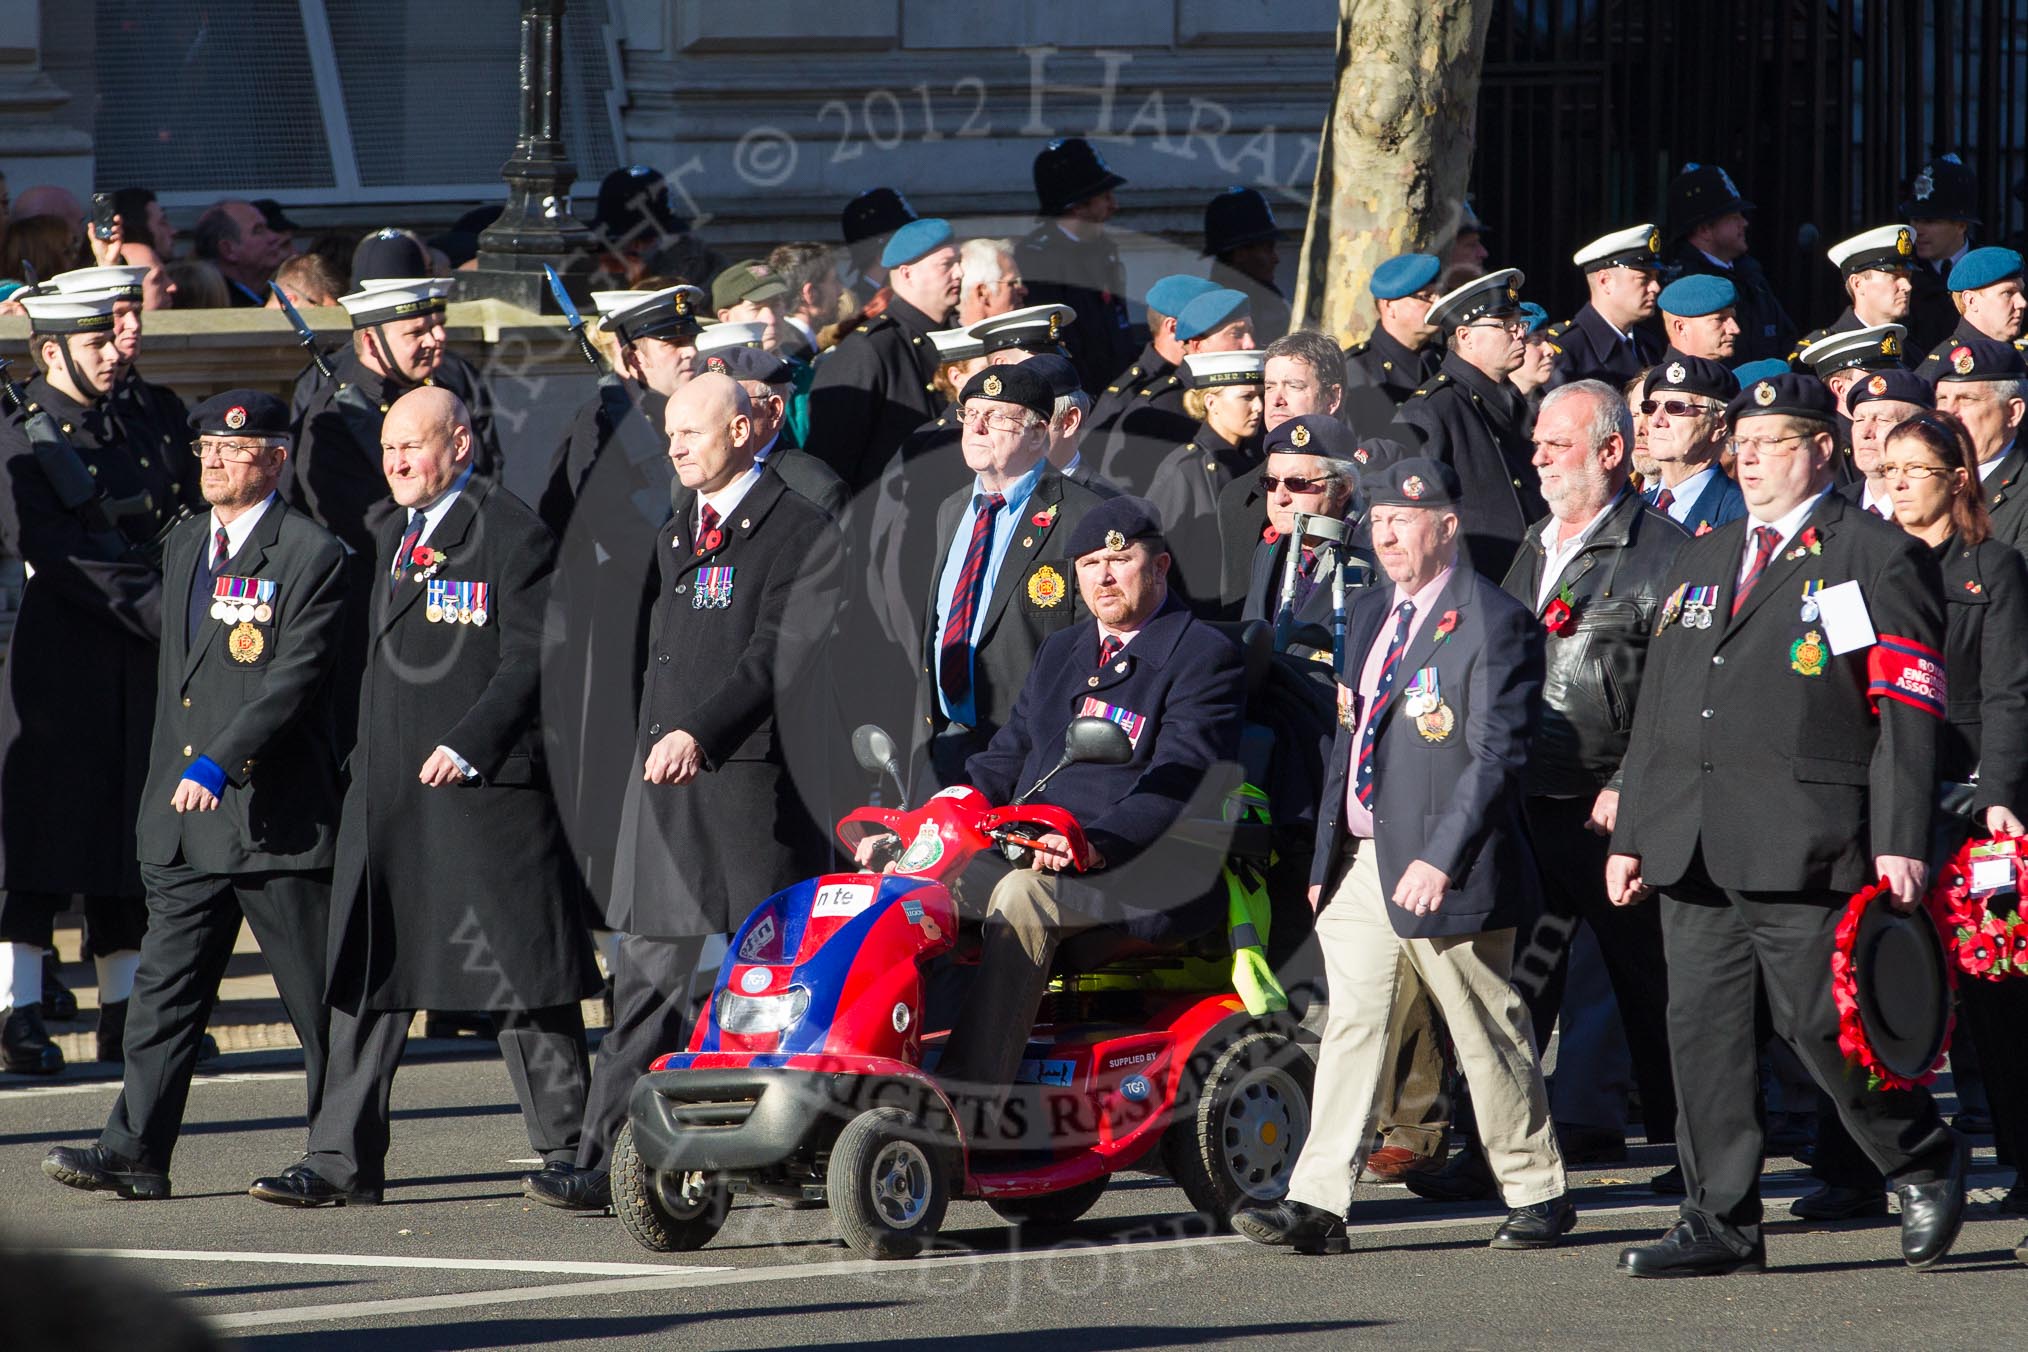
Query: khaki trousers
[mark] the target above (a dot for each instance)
(1467, 977)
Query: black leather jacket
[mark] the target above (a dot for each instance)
(1594, 672)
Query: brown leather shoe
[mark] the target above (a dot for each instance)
(1392, 1163)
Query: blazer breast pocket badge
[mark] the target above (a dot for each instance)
(714, 588)
(449, 602)
(1423, 701)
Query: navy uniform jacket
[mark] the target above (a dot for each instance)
(1138, 381)
(1986, 657)
(262, 714)
(1454, 802)
(1178, 689)
(1932, 315)
(1719, 503)
(1152, 425)
(1088, 277)
(1788, 768)
(1478, 427)
(2007, 497)
(1765, 329)
(1185, 491)
(1380, 361)
(871, 391)
(1587, 348)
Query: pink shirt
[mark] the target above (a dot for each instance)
(1359, 821)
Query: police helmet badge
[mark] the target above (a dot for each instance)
(1299, 437)
(235, 417)
(1115, 540)
(1764, 393)
(1925, 184)
(1412, 486)
(1962, 360)
(1675, 371)
(992, 387)
(1877, 386)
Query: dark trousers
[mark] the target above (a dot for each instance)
(546, 1059)
(1572, 862)
(1723, 946)
(657, 992)
(112, 924)
(193, 919)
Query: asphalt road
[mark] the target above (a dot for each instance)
(456, 1258)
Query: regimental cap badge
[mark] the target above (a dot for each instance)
(1299, 437)
(715, 363)
(992, 387)
(1878, 385)
(1675, 373)
(1962, 361)
(1764, 393)
(1513, 296)
(1890, 346)
(1904, 243)
(1412, 486)
(1055, 321)
(1654, 241)
(682, 301)
(1115, 540)
(235, 417)
(1361, 454)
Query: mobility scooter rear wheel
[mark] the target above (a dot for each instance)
(1253, 1115)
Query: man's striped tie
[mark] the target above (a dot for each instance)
(1383, 695)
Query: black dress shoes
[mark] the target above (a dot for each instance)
(1536, 1227)
(1690, 1249)
(568, 1188)
(1931, 1213)
(1835, 1202)
(1467, 1178)
(25, 1047)
(1292, 1225)
(95, 1169)
(300, 1185)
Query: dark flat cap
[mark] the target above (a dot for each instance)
(1414, 482)
(1792, 393)
(1014, 384)
(1115, 522)
(241, 413)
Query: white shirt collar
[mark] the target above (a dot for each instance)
(1785, 528)
(241, 526)
(1716, 261)
(760, 457)
(727, 499)
(1986, 467)
(433, 515)
(1557, 556)
(803, 327)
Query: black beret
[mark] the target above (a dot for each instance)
(751, 363)
(1795, 394)
(1903, 387)
(1114, 522)
(1414, 482)
(1311, 434)
(241, 413)
(1059, 371)
(1980, 358)
(1691, 375)
(1014, 384)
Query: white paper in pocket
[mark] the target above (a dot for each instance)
(1847, 626)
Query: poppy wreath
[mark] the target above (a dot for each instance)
(1852, 1040)
(1981, 944)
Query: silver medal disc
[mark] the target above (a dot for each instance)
(218, 611)
(1810, 611)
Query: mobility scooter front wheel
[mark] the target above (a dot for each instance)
(665, 1212)
(887, 1183)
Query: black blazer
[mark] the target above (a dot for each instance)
(1478, 428)
(262, 712)
(1765, 752)
(1986, 656)
(1453, 801)
(871, 391)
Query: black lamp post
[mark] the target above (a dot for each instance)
(536, 226)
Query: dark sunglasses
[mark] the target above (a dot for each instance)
(1269, 483)
(1675, 408)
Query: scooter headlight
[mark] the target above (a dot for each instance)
(762, 1013)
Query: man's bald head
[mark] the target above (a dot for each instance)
(710, 426)
(425, 444)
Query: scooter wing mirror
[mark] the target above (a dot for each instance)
(876, 754)
(1096, 741)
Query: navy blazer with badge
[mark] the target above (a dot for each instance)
(254, 697)
(1455, 801)
(1719, 503)
(1757, 748)
(1183, 681)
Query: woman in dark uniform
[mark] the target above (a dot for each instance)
(1931, 475)
(1222, 390)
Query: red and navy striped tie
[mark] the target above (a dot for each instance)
(954, 662)
(1383, 695)
(1765, 538)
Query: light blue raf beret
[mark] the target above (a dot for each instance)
(1983, 267)
(1208, 311)
(1698, 294)
(914, 240)
(1404, 275)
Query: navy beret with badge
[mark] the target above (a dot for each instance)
(1685, 374)
(1416, 481)
(751, 363)
(1014, 384)
(1059, 371)
(1311, 434)
(1114, 524)
(1791, 393)
(1900, 386)
(1981, 358)
(241, 413)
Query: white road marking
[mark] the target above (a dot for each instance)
(113, 1086)
(376, 1260)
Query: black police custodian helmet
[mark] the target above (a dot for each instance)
(1069, 171)
(1702, 192)
(1944, 189)
(632, 197)
(1235, 218)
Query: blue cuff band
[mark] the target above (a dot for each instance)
(207, 774)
